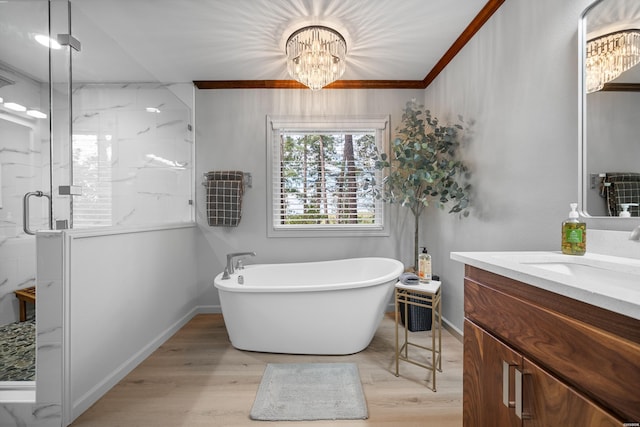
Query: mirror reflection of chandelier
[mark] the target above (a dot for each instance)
(316, 56)
(609, 56)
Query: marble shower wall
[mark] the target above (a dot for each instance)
(133, 150)
(24, 143)
(135, 168)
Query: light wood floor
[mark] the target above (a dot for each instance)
(198, 379)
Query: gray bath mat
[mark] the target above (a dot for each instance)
(310, 391)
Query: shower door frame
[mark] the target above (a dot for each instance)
(42, 401)
(53, 245)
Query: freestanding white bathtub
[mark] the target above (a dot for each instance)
(324, 307)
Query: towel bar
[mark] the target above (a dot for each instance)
(248, 179)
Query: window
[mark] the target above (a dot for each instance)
(320, 171)
(92, 171)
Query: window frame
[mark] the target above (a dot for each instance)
(277, 124)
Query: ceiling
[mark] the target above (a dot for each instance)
(174, 41)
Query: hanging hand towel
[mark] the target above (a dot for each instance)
(224, 202)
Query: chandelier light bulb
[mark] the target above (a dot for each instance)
(609, 56)
(316, 56)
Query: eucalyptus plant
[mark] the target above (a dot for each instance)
(425, 167)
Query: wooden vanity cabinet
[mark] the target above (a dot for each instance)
(482, 381)
(535, 358)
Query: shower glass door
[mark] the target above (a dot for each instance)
(25, 180)
(35, 134)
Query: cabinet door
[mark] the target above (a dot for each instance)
(489, 386)
(549, 403)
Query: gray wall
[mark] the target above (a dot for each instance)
(231, 134)
(517, 78)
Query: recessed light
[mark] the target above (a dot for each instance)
(46, 41)
(152, 110)
(15, 107)
(37, 114)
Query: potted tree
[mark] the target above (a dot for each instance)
(424, 167)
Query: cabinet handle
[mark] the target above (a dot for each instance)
(520, 395)
(506, 381)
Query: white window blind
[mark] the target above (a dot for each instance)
(320, 171)
(92, 171)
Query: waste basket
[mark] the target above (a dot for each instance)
(418, 318)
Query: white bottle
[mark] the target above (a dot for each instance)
(624, 213)
(424, 266)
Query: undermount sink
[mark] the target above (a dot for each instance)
(588, 267)
(606, 274)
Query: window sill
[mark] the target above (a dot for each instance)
(327, 232)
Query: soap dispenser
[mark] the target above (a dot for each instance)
(624, 213)
(574, 234)
(424, 266)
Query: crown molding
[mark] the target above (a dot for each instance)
(478, 22)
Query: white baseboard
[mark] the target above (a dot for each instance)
(457, 333)
(208, 309)
(92, 396)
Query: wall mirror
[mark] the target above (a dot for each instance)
(609, 39)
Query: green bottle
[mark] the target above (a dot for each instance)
(574, 234)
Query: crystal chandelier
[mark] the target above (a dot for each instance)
(315, 56)
(609, 56)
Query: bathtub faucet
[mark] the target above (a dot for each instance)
(228, 270)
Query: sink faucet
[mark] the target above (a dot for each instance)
(228, 270)
(635, 234)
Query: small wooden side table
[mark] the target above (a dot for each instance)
(425, 295)
(27, 295)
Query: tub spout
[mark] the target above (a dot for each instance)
(635, 234)
(228, 270)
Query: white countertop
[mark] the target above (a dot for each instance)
(609, 282)
(431, 288)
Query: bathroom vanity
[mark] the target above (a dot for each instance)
(548, 342)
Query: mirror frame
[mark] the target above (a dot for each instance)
(594, 222)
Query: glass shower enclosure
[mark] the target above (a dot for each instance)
(80, 147)
(26, 177)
